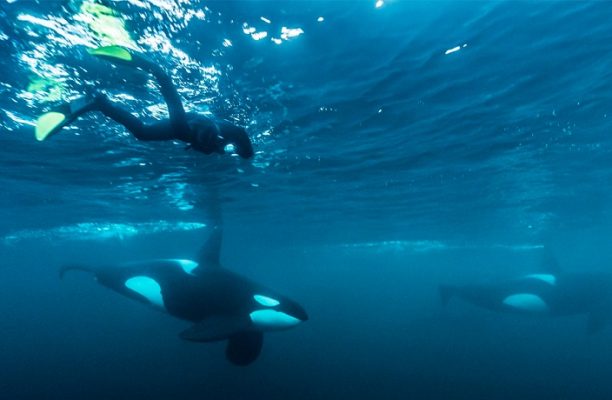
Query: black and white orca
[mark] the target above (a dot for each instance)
(222, 305)
(551, 294)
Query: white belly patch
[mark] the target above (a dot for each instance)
(272, 320)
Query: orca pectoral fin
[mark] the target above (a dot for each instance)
(215, 328)
(243, 348)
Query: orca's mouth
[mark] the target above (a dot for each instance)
(300, 314)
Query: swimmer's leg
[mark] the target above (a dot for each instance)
(120, 55)
(54, 120)
(158, 131)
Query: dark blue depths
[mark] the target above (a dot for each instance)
(398, 147)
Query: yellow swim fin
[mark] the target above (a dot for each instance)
(54, 120)
(48, 124)
(113, 53)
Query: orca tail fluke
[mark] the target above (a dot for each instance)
(67, 268)
(446, 293)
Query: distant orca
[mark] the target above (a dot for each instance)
(221, 304)
(557, 294)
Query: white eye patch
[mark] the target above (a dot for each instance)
(266, 301)
(148, 288)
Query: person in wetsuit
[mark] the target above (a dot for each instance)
(200, 132)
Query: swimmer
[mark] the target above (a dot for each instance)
(200, 132)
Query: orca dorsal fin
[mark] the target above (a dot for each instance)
(210, 251)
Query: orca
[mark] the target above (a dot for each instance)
(221, 304)
(546, 294)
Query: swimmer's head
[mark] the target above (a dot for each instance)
(238, 137)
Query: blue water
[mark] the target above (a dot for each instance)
(398, 147)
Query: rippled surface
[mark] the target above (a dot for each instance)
(408, 121)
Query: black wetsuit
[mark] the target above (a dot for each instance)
(202, 133)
